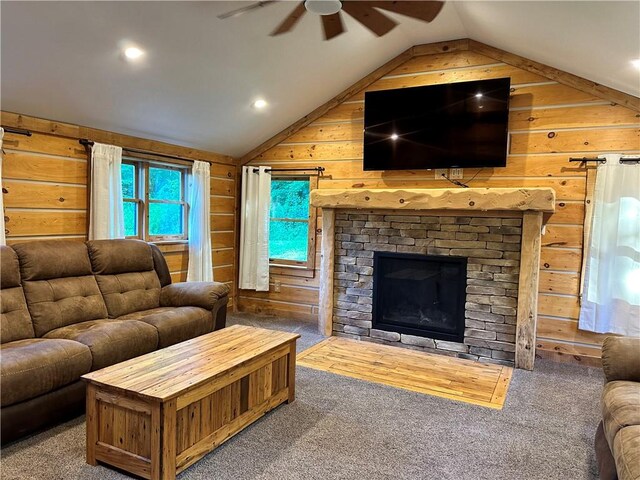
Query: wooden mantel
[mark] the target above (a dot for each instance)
(480, 199)
(532, 202)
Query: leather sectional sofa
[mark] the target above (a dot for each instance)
(68, 308)
(618, 436)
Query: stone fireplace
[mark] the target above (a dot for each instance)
(451, 271)
(445, 284)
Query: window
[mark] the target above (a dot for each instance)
(292, 222)
(154, 201)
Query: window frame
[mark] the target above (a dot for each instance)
(309, 264)
(141, 181)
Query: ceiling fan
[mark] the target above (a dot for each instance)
(366, 12)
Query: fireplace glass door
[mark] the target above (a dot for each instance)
(420, 295)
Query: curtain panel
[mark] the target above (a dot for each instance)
(254, 229)
(611, 293)
(200, 263)
(106, 215)
(3, 238)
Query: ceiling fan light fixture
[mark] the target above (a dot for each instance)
(323, 7)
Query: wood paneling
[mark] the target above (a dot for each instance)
(45, 189)
(551, 119)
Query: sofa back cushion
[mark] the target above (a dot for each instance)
(59, 286)
(125, 273)
(15, 321)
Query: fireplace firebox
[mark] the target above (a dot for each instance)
(421, 295)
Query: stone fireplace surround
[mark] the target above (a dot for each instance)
(492, 248)
(506, 335)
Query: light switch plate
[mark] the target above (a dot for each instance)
(439, 172)
(456, 173)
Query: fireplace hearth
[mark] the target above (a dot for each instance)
(421, 295)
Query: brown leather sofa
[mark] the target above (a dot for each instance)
(618, 436)
(68, 308)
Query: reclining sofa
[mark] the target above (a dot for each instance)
(69, 307)
(618, 436)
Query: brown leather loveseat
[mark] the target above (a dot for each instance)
(68, 308)
(618, 435)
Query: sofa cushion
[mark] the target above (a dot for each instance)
(620, 407)
(59, 302)
(125, 275)
(36, 366)
(15, 321)
(129, 292)
(110, 341)
(175, 325)
(9, 268)
(626, 450)
(42, 260)
(119, 256)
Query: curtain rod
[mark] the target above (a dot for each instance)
(89, 143)
(17, 131)
(586, 159)
(318, 170)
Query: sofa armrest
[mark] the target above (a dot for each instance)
(621, 358)
(194, 294)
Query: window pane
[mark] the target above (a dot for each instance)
(289, 198)
(164, 184)
(130, 219)
(288, 240)
(165, 219)
(128, 180)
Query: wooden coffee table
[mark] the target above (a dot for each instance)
(157, 414)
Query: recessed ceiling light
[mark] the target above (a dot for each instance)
(133, 53)
(478, 95)
(394, 136)
(636, 63)
(260, 104)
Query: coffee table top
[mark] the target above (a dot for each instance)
(169, 372)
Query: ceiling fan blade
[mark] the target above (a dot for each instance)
(332, 25)
(248, 8)
(291, 20)
(368, 16)
(425, 11)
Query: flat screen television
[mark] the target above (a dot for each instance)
(456, 125)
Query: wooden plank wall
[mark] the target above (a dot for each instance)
(548, 123)
(44, 180)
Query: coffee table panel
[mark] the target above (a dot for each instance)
(207, 422)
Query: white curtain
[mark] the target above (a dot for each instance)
(3, 240)
(106, 218)
(200, 263)
(254, 229)
(611, 296)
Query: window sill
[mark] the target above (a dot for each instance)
(169, 242)
(292, 270)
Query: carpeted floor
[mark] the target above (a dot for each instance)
(342, 428)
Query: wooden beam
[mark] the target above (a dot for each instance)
(470, 199)
(62, 129)
(579, 83)
(528, 290)
(325, 307)
(441, 47)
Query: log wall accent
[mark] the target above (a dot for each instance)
(44, 180)
(549, 121)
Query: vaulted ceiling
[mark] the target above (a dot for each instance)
(200, 75)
